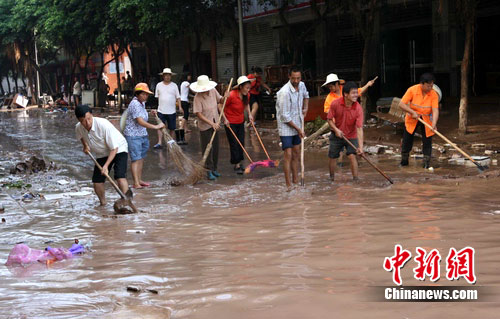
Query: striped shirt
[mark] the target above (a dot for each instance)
(289, 106)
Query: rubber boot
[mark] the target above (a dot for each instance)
(404, 159)
(427, 161)
(183, 136)
(178, 136)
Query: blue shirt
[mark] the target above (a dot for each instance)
(135, 110)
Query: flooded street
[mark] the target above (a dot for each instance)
(240, 247)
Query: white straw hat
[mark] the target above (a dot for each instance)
(202, 84)
(167, 71)
(242, 79)
(332, 78)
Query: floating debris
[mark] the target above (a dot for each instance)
(32, 166)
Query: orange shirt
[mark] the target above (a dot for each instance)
(421, 104)
(332, 97)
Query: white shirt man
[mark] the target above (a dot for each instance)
(110, 147)
(168, 96)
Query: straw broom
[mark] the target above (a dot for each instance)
(194, 172)
(209, 145)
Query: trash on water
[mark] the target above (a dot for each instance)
(478, 145)
(66, 195)
(136, 231)
(62, 182)
(224, 297)
(481, 160)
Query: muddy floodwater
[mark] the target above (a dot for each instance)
(240, 247)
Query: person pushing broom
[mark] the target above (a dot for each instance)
(291, 107)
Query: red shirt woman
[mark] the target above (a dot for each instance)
(234, 114)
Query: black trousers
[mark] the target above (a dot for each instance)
(408, 141)
(234, 147)
(213, 156)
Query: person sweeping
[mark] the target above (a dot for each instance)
(136, 134)
(234, 116)
(420, 100)
(102, 138)
(205, 107)
(345, 118)
(291, 107)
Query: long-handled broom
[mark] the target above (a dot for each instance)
(209, 145)
(194, 172)
(265, 163)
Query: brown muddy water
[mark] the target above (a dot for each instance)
(241, 247)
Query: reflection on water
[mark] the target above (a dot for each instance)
(238, 247)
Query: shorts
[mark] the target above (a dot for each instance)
(338, 144)
(185, 108)
(137, 147)
(168, 119)
(255, 98)
(290, 141)
(118, 164)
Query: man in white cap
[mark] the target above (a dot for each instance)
(335, 85)
(205, 106)
(168, 96)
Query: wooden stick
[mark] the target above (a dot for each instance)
(242, 147)
(452, 144)
(369, 162)
(260, 140)
(108, 177)
(209, 145)
(302, 157)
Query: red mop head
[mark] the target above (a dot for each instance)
(265, 163)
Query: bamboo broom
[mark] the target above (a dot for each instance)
(194, 172)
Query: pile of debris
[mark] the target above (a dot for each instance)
(32, 166)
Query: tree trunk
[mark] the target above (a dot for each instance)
(8, 82)
(1, 85)
(15, 82)
(197, 51)
(131, 59)
(118, 82)
(364, 74)
(87, 58)
(464, 87)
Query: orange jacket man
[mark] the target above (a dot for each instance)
(420, 100)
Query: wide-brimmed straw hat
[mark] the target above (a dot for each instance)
(167, 71)
(142, 87)
(202, 84)
(332, 78)
(241, 80)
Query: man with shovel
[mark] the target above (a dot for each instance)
(420, 100)
(108, 144)
(345, 118)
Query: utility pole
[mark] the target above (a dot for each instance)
(37, 73)
(243, 54)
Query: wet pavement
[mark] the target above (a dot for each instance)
(241, 246)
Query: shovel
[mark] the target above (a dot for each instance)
(123, 205)
(479, 166)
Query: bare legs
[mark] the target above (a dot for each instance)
(255, 108)
(291, 164)
(136, 168)
(353, 162)
(100, 192)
